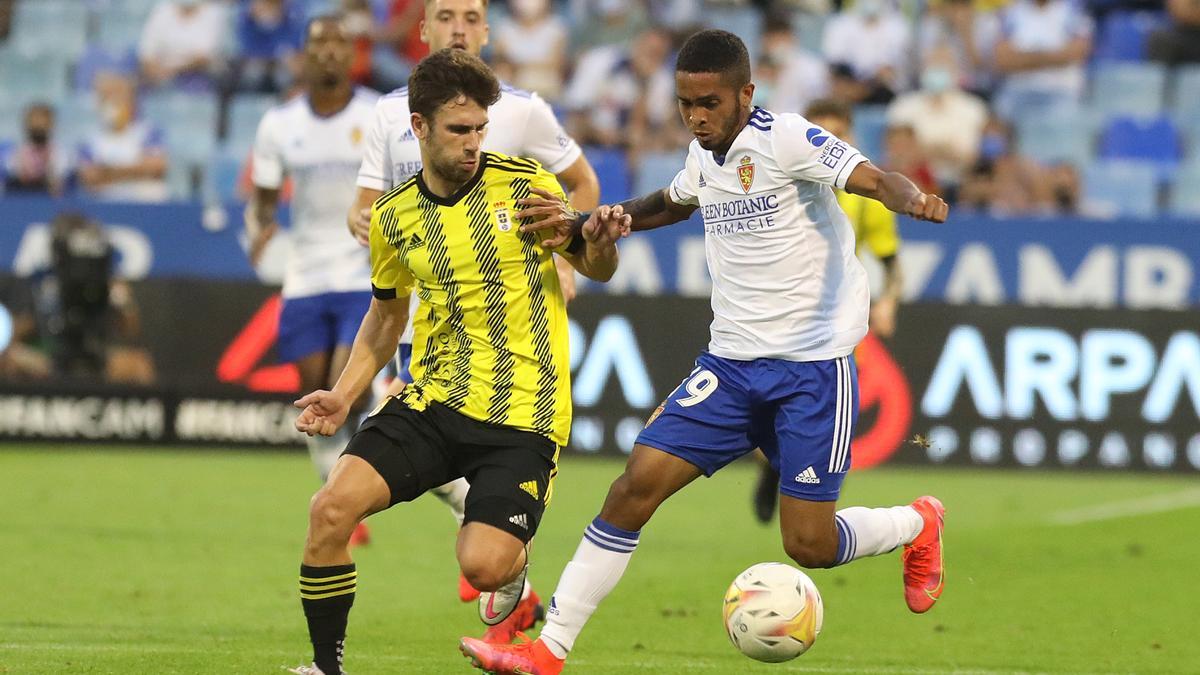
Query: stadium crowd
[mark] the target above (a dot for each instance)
(1018, 107)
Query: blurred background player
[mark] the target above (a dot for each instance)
(520, 124)
(790, 303)
(874, 227)
(317, 139)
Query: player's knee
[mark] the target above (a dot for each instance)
(485, 573)
(329, 513)
(810, 553)
(630, 502)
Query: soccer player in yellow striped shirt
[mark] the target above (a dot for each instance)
(491, 396)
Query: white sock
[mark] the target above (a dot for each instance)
(454, 494)
(599, 562)
(866, 532)
(325, 450)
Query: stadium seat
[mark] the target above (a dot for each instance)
(221, 177)
(1185, 104)
(120, 30)
(50, 27)
(179, 180)
(76, 121)
(1185, 192)
(1051, 140)
(1123, 35)
(870, 127)
(245, 112)
(189, 121)
(743, 21)
(656, 170)
(1114, 189)
(1152, 141)
(613, 172)
(1120, 88)
(24, 79)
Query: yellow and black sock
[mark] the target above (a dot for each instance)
(327, 594)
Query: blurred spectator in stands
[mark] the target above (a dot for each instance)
(676, 15)
(970, 33)
(6, 12)
(1041, 54)
(181, 43)
(359, 24)
(534, 43)
(902, 153)
(800, 76)
(947, 121)
(397, 44)
(1179, 42)
(625, 96)
(38, 164)
(269, 33)
(75, 315)
(868, 45)
(606, 22)
(126, 159)
(1006, 183)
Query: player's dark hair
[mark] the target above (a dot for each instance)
(827, 107)
(448, 74)
(715, 51)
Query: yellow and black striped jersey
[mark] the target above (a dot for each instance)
(490, 336)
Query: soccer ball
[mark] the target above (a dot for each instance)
(773, 612)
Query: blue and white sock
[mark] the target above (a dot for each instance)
(866, 532)
(593, 572)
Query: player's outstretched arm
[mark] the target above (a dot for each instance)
(896, 192)
(323, 412)
(597, 257)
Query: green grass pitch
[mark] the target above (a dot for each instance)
(185, 561)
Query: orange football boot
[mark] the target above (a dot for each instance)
(525, 616)
(361, 536)
(526, 658)
(924, 567)
(466, 592)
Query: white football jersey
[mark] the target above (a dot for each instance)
(520, 124)
(785, 281)
(322, 156)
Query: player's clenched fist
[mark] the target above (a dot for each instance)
(925, 206)
(322, 413)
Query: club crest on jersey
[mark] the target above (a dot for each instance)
(502, 219)
(745, 173)
(356, 135)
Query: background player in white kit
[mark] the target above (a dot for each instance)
(317, 138)
(519, 124)
(790, 303)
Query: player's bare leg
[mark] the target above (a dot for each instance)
(816, 536)
(337, 443)
(328, 578)
(766, 489)
(651, 476)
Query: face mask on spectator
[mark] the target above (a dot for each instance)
(38, 136)
(993, 145)
(936, 79)
(111, 113)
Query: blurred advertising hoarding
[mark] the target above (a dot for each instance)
(1036, 262)
(980, 386)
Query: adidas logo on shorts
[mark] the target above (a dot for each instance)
(520, 520)
(808, 476)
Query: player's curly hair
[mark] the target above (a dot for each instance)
(445, 76)
(715, 51)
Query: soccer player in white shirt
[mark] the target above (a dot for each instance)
(519, 124)
(790, 303)
(317, 138)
